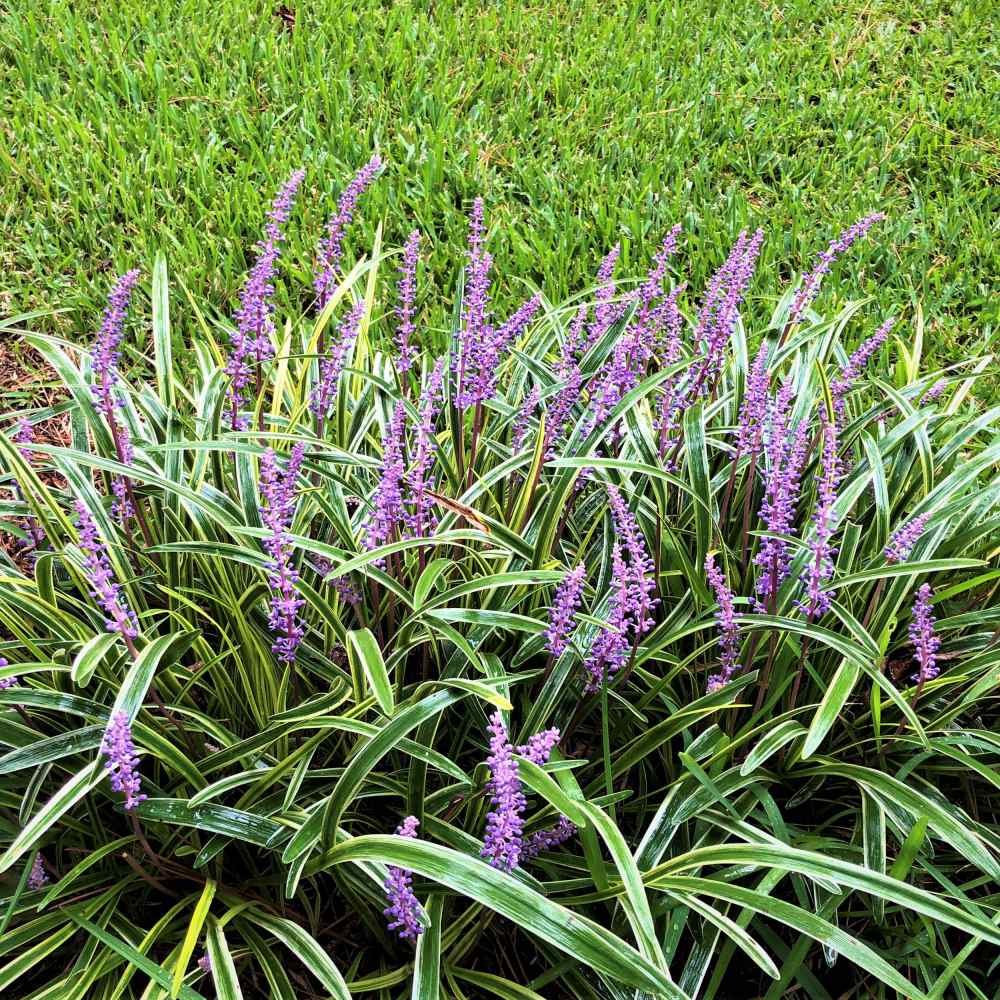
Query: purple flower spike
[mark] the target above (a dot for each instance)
(546, 840)
(278, 493)
(419, 480)
(856, 363)
(104, 587)
(38, 879)
(6, 682)
(387, 515)
(523, 416)
(610, 649)
(935, 391)
(606, 310)
(820, 567)
(729, 642)
(122, 761)
(476, 334)
(504, 823)
(251, 340)
(108, 345)
(568, 595)
(407, 294)
(922, 636)
(809, 288)
(332, 365)
(786, 451)
(403, 911)
(331, 247)
(903, 539)
(753, 409)
(539, 747)
(641, 584)
(24, 433)
(205, 963)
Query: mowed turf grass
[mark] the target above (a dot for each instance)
(169, 124)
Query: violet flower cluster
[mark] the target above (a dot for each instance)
(903, 539)
(503, 844)
(6, 682)
(332, 363)
(820, 567)
(856, 363)
(568, 595)
(923, 638)
(935, 391)
(104, 588)
(477, 355)
(251, 340)
(24, 434)
(38, 878)
(403, 911)
(547, 840)
(607, 312)
(729, 643)
(122, 761)
(631, 603)
(331, 247)
(387, 513)
(809, 288)
(527, 408)
(786, 451)
(407, 295)
(421, 520)
(277, 490)
(753, 409)
(105, 357)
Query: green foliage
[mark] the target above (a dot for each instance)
(820, 820)
(135, 128)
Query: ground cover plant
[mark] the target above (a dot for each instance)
(129, 129)
(639, 643)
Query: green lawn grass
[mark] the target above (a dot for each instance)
(169, 123)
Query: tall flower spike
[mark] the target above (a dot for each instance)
(407, 293)
(403, 911)
(641, 583)
(904, 538)
(476, 333)
(935, 391)
(107, 350)
(729, 643)
(331, 247)
(419, 481)
(37, 878)
(122, 761)
(922, 636)
(330, 367)
(610, 648)
(606, 310)
(820, 566)
(251, 341)
(546, 840)
(24, 434)
(809, 288)
(567, 599)
(523, 416)
(278, 493)
(104, 588)
(539, 747)
(856, 363)
(504, 823)
(753, 409)
(786, 451)
(387, 513)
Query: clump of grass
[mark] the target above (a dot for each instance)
(669, 662)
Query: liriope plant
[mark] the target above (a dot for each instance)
(637, 645)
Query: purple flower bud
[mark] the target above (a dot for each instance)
(729, 642)
(205, 963)
(277, 511)
(24, 433)
(421, 520)
(820, 566)
(104, 588)
(504, 823)
(922, 636)
(407, 294)
(6, 682)
(904, 538)
(122, 761)
(856, 363)
(935, 391)
(251, 341)
(331, 247)
(809, 288)
(567, 599)
(546, 840)
(387, 515)
(332, 364)
(539, 747)
(403, 910)
(38, 878)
